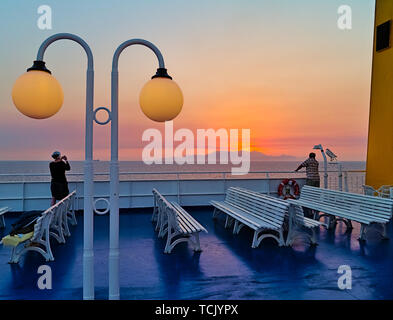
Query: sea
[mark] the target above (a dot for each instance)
(13, 171)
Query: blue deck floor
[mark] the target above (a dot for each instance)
(226, 269)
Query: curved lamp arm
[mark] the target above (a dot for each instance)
(115, 87)
(88, 217)
(131, 42)
(68, 36)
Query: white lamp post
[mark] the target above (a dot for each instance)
(325, 175)
(161, 100)
(38, 95)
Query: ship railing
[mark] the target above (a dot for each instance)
(348, 180)
(29, 191)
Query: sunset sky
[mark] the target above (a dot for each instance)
(281, 68)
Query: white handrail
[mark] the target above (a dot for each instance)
(163, 172)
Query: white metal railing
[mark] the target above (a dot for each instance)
(35, 195)
(21, 192)
(349, 180)
(226, 173)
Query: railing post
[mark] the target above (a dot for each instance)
(131, 194)
(340, 177)
(23, 194)
(224, 176)
(346, 181)
(178, 188)
(268, 183)
(359, 183)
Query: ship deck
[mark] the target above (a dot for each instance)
(228, 268)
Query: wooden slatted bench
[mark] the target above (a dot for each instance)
(298, 224)
(53, 222)
(176, 223)
(263, 215)
(347, 207)
(3, 210)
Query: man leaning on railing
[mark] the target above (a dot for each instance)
(312, 172)
(312, 177)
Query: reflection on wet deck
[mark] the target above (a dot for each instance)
(226, 269)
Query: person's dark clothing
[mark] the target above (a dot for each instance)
(58, 169)
(311, 166)
(59, 184)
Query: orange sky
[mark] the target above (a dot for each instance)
(283, 70)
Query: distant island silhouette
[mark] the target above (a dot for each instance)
(255, 156)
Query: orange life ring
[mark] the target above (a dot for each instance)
(287, 185)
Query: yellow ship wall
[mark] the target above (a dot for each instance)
(380, 136)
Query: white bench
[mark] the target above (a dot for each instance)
(298, 224)
(175, 223)
(62, 214)
(264, 215)
(2, 212)
(347, 207)
(52, 223)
